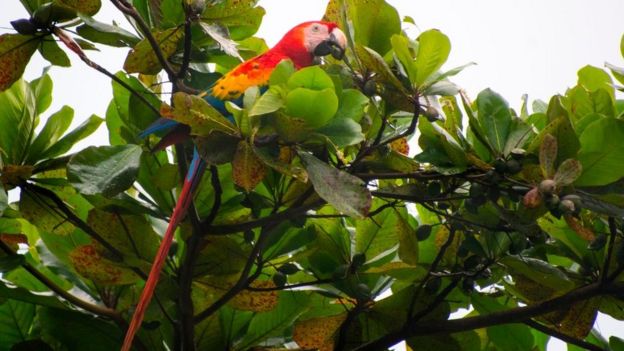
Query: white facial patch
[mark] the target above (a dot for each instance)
(315, 34)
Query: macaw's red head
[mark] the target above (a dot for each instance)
(309, 39)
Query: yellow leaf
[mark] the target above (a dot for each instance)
(198, 114)
(256, 301)
(143, 59)
(15, 52)
(318, 333)
(247, 169)
(401, 146)
(88, 7)
(90, 264)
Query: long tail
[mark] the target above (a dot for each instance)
(195, 172)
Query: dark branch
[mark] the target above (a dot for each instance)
(563, 337)
(514, 315)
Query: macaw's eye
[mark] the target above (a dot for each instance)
(316, 28)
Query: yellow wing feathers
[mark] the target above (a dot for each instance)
(235, 82)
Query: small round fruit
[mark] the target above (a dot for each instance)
(513, 166)
(279, 279)
(547, 187)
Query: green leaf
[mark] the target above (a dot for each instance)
(88, 7)
(106, 170)
(615, 343)
(594, 78)
(133, 235)
(342, 132)
(10, 262)
(143, 59)
(515, 337)
(15, 52)
(54, 128)
(70, 139)
(219, 34)
(374, 239)
(16, 319)
(242, 17)
(374, 23)
(199, 115)
(271, 158)
(37, 211)
(217, 148)
(74, 329)
(272, 323)
(106, 34)
(561, 128)
(17, 123)
(372, 61)
(42, 88)
(50, 51)
(433, 50)
(400, 45)
(352, 105)
(494, 117)
(348, 194)
(27, 296)
(313, 78)
(4, 200)
(601, 152)
(282, 72)
(539, 271)
(270, 101)
(314, 107)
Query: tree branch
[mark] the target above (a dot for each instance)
(128, 9)
(244, 279)
(514, 315)
(85, 305)
(268, 220)
(563, 337)
(73, 46)
(71, 217)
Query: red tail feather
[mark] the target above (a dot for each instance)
(152, 280)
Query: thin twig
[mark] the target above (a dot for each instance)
(73, 46)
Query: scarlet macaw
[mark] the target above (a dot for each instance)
(301, 44)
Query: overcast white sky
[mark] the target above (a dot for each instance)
(520, 46)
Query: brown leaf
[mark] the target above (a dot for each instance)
(318, 333)
(198, 114)
(90, 264)
(13, 240)
(579, 318)
(248, 170)
(15, 52)
(582, 231)
(568, 171)
(256, 301)
(548, 155)
(143, 59)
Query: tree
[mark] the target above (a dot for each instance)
(326, 233)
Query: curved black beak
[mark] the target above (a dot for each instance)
(335, 45)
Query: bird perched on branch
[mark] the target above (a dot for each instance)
(301, 45)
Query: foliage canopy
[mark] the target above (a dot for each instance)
(315, 224)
